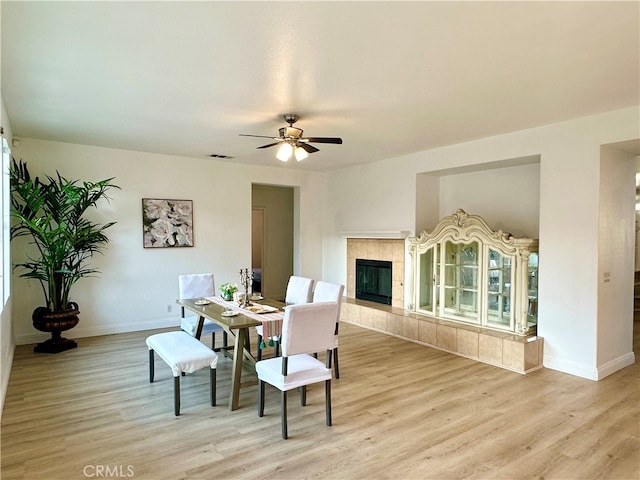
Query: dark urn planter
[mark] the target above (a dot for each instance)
(55, 323)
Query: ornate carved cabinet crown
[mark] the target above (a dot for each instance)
(466, 272)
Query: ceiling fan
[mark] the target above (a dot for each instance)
(293, 144)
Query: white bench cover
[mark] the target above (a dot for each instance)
(182, 352)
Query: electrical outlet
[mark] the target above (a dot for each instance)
(169, 308)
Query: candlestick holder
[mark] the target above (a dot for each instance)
(246, 279)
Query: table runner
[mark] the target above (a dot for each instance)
(271, 322)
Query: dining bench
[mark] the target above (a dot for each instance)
(184, 354)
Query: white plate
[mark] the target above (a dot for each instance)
(229, 313)
(202, 302)
(255, 297)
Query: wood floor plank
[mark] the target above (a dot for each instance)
(400, 410)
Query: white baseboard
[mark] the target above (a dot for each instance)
(616, 364)
(567, 366)
(95, 331)
(7, 363)
(597, 373)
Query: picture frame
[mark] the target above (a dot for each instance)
(167, 223)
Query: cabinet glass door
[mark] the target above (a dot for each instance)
(499, 289)
(460, 289)
(428, 286)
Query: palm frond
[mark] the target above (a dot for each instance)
(52, 212)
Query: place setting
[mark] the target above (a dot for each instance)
(251, 306)
(259, 308)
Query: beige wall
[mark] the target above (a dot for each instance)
(375, 197)
(138, 286)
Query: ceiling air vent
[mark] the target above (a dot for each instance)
(215, 155)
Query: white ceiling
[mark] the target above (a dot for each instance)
(390, 78)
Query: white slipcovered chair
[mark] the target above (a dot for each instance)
(331, 292)
(198, 285)
(306, 328)
(299, 291)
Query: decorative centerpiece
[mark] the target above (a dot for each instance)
(227, 290)
(246, 278)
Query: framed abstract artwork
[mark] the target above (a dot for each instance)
(167, 223)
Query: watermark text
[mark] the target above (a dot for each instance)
(108, 471)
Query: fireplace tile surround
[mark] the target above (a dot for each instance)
(519, 354)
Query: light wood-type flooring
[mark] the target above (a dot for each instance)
(400, 411)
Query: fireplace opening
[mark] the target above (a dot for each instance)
(373, 280)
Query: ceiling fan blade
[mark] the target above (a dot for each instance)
(258, 136)
(270, 145)
(324, 140)
(308, 148)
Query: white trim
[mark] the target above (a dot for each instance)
(595, 374)
(572, 368)
(376, 234)
(6, 364)
(79, 332)
(615, 365)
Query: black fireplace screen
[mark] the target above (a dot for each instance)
(373, 280)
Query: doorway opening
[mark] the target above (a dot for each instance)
(272, 239)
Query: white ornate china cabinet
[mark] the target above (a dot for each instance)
(466, 272)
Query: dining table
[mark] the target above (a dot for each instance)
(236, 320)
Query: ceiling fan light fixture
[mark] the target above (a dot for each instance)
(301, 153)
(292, 143)
(284, 152)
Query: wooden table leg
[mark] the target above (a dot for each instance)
(247, 352)
(236, 372)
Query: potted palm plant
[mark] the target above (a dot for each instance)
(51, 212)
